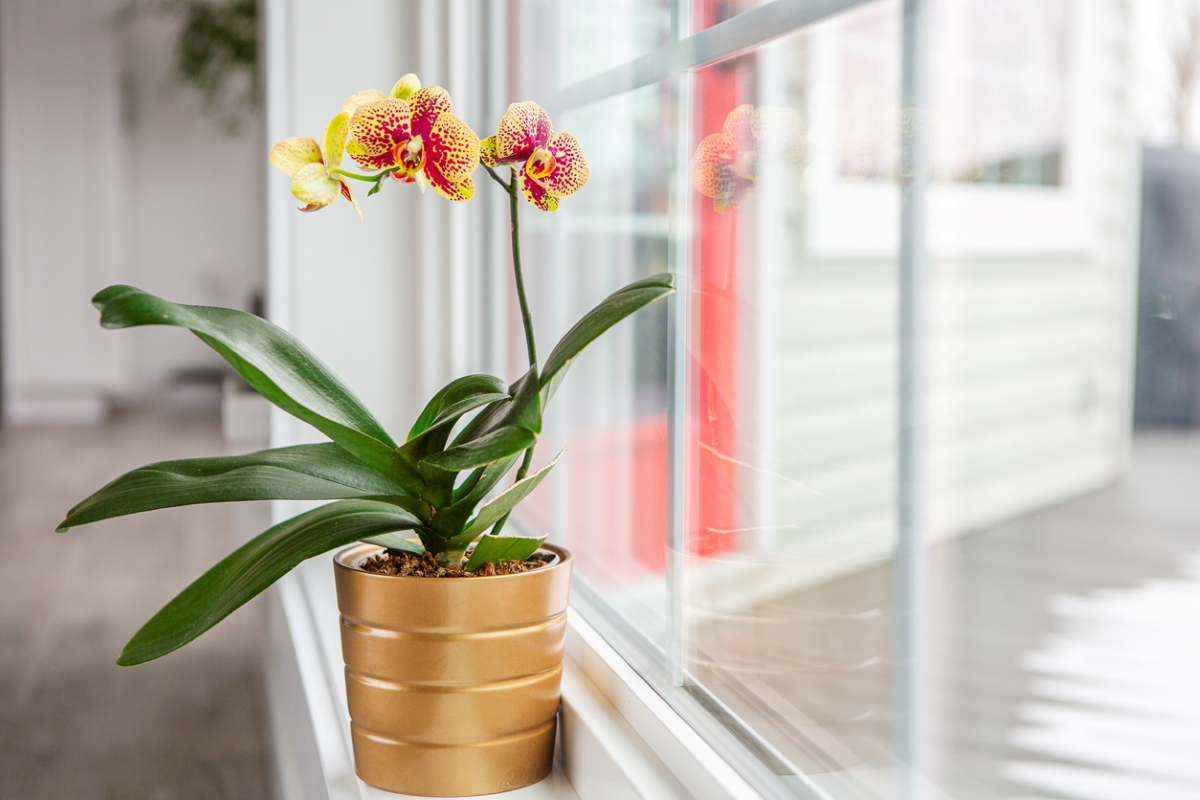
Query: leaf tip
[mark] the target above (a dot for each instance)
(63, 527)
(128, 659)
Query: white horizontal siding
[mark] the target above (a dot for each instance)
(1029, 350)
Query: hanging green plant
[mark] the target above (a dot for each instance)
(216, 52)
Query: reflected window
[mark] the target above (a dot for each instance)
(999, 104)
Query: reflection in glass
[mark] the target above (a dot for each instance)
(766, 180)
(608, 496)
(999, 71)
(792, 415)
(557, 43)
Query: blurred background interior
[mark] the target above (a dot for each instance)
(738, 482)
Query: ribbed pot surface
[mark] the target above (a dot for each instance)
(453, 683)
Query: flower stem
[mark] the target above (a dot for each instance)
(503, 183)
(357, 177)
(526, 316)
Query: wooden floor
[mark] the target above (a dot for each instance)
(1062, 655)
(73, 726)
(1061, 638)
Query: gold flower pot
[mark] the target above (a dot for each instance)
(453, 683)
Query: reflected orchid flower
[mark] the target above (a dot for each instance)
(552, 165)
(414, 133)
(314, 181)
(725, 166)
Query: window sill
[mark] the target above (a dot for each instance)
(617, 739)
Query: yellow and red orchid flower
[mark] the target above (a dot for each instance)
(552, 164)
(415, 134)
(725, 165)
(401, 91)
(314, 182)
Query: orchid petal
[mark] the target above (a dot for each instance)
(359, 99)
(349, 195)
(335, 140)
(741, 191)
(487, 152)
(406, 86)
(570, 168)
(710, 168)
(375, 130)
(739, 125)
(453, 147)
(292, 155)
(427, 105)
(536, 193)
(313, 187)
(524, 127)
(459, 191)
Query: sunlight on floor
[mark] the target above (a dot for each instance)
(1117, 713)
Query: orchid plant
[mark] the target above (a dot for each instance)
(436, 492)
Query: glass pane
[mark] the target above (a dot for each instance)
(607, 498)
(556, 43)
(998, 89)
(1057, 537)
(1037, 556)
(791, 497)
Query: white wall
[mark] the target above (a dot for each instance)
(63, 202)
(105, 184)
(354, 291)
(195, 201)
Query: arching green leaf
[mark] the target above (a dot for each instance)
(450, 521)
(495, 549)
(504, 502)
(614, 308)
(394, 541)
(275, 364)
(519, 409)
(256, 565)
(304, 472)
(464, 392)
(495, 446)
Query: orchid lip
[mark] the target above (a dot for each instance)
(409, 156)
(540, 164)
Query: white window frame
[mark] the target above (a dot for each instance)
(692, 704)
(622, 735)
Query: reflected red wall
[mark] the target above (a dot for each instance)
(717, 90)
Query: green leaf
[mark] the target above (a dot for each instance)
(526, 409)
(494, 446)
(416, 506)
(433, 439)
(495, 549)
(255, 566)
(504, 502)
(616, 307)
(514, 410)
(394, 541)
(275, 364)
(450, 521)
(465, 392)
(305, 472)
